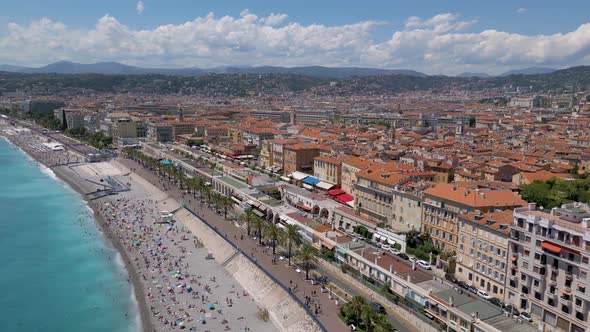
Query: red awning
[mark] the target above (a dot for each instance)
(345, 198)
(328, 245)
(551, 247)
(568, 250)
(303, 206)
(335, 192)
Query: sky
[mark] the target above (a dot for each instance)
(431, 36)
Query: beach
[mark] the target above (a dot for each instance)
(175, 284)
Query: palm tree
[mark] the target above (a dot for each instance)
(225, 202)
(275, 233)
(355, 307)
(206, 193)
(382, 324)
(369, 314)
(248, 218)
(306, 256)
(292, 238)
(259, 224)
(216, 200)
(200, 186)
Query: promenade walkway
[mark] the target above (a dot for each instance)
(320, 303)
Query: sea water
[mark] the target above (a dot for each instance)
(57, 271)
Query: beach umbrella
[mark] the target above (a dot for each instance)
(211, 306)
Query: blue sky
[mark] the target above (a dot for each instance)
(372, 33)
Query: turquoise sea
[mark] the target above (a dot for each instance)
(57, 272)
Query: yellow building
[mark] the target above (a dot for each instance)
(443, 203)
(482, 256)
(327, 169)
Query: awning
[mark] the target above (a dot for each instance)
(568, 250)
(237, 201)
(566, 292)
(551, 247)
(311, 180)
(324, 185)
(377, 237)
(262, 208)
(298, 176)
(306, 186)
(250, 202)
(344, 198)
(391, 242)
(514, 258)
(258, 213)
(284, 178)
(303, 206)
(351, 204)
(335, 192)
(328, 245)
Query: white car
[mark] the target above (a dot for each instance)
(412, 259)
(423, 264)
(483, 294)
(394, 251)
(526, 316)
(385, 247)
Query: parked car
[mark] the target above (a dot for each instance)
(385, 247)
(472, 289)
(380, 308)
(496, 301)
(525, 316)
(483, 294)
(412, 259)
(462, 284)
(403, 256)
(511, 310)
(451, 277)
(394, 251)
(424, 264)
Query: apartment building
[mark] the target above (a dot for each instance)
(299, 157)
(407, 205)
(265, 157)
(123, 128)
(482, 258)
(350, 166)
(313, 116)
(159, 132)
(256, 136)
(277, 148)
(443, 203)
(549, 267)
(274, 116)
(374, 191)
(327, 168)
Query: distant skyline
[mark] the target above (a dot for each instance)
(431, 36)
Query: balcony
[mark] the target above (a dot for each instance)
(565, 301)
(549, 295)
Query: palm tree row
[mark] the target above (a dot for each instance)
(194, 184)
(357, 311)
(287, 235)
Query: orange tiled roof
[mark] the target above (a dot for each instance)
(475, 198)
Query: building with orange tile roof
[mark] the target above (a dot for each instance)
(444, 202)
(482, 256)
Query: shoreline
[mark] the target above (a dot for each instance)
(146, 324)
(132, 273)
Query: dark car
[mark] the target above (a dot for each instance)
(496, 301)
(403, 256)
(511, 310)
(472, 289)
(380, 308)
(451, 277)
(462, 284)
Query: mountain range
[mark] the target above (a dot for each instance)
(114, 68)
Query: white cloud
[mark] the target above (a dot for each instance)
(434, 45)
(140, 7)
(274, 19)
(522, 10)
